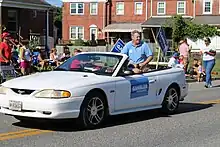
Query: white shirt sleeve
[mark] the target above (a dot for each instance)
(171, 62)
(212, 47)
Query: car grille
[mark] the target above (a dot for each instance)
(22, 91)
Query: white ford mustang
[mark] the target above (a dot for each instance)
(91, 86)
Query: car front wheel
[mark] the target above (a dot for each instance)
(93, 111)
(171, 101)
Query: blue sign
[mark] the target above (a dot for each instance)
(162, 40)
(118, 46)
(139, 87)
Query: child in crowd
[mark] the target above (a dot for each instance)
(196, 70)
(174, 60)
(181, 60)
(76, 51)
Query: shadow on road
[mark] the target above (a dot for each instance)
(114, 120)
(216, 86)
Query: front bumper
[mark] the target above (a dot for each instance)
(42, 108)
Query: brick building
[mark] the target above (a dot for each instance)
(27, 17)
(83, 19)
(116, 18)
(207, 12)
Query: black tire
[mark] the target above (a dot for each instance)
(171, 101)
(22, 119)
(93, 111)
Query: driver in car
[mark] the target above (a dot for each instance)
(138, 52)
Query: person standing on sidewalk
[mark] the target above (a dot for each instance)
(5, 51)
(208, 53)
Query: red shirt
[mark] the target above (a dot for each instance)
(6, 51)
(75, 64)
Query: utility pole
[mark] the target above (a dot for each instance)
(194, 9)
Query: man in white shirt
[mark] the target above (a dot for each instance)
(174, 60)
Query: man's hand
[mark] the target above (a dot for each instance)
(141, 65)
(146, 61)
(137, 71)
(136, 65)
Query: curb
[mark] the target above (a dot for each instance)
(194, 80)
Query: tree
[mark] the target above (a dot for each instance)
(58, 16)
(58, 21)
(182, 28)
(178, 26)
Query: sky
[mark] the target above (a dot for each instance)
(57, 3)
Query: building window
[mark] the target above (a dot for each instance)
(181, 7)
(161, 8)
(93, 8)
(76, 32)
(12, 21)
(120, 8)
(76, 8)
(138, 8)
(207, 7)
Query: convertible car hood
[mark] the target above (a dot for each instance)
(55, 80)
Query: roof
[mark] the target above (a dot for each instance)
(122, 27)
(26, 4)
(42, 2)
(157, 21)
(207, 19)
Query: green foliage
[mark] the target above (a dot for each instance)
(58, 16)
(195, 31)
(186, 28)
(33, 43)
(178, 25)
(80, 42)
(58, 21)
(77, 42)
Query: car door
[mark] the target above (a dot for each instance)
(135, 91)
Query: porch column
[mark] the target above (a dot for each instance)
(142, 33)
(47, 29)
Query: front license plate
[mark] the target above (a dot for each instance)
(15, 105)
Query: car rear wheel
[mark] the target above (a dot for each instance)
(93, 110)
(171, 101)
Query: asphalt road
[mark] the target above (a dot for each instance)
(196, 124)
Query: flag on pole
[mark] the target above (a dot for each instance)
(162, 40)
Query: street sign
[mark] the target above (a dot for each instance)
(118, 46)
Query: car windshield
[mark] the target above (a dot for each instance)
(103, 64)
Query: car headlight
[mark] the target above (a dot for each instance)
(3, 90)
(54, 94)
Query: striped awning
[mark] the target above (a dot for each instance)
(122, 27)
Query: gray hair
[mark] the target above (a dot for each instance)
(134, 32)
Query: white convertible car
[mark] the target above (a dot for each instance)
(91, 86)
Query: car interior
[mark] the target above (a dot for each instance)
(126, 69)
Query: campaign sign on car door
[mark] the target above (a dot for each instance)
(139, 87)
(118, 46)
